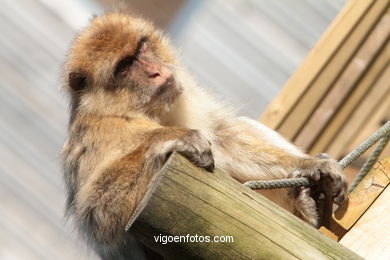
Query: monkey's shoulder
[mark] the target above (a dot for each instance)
(109, 125)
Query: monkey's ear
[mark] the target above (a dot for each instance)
(77, 80)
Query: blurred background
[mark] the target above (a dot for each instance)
(242, 50)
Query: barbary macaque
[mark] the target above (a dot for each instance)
(132, 105)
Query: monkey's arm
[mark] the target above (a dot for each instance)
(259, 153)
(108, 199)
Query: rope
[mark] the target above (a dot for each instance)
(384, 131)
(370, 162)
(276, 184)
(363, 147)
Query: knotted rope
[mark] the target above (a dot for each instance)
(383, 133)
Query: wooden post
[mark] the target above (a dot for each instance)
(183, 199)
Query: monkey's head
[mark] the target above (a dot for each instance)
(121, 63)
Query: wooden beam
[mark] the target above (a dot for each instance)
(316, 60)
(377, 95)
(361, 198)
(345, 83)
(300, 113)
(369, 237)
(354, 100)
(183, 199)
(381, 115)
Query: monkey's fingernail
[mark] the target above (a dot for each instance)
(315, 175)
(210, 167)
(339, 199)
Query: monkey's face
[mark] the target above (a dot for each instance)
(146, 75)
(124, 56)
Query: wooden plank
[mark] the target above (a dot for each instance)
(356, 97)
(345, 84)
(321, 85)
(361, 198)
(366, 109)
(381, 115)
(184, 199)
(370, 236)
(319, 56)
(328, 233)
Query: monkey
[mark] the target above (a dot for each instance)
(132, 104)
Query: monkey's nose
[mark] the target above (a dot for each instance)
(152, 70)
(158, 71)
(160, 75)
(155, 75)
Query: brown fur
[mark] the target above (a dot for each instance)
(132, 105)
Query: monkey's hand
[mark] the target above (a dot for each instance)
(315, 203)
(195, 147)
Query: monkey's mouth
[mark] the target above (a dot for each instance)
(168, 85)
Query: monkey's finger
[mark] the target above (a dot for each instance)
(339, 189)
(327, 189)
(341, 197)
(210, 167)
(313, 173)
(327, 210)
(207, 161)
(306, 206)
(203, 160)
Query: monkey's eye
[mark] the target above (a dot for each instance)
(124, 64)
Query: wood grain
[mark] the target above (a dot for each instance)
(378, 94)
(381, 115)
(345, 83)
(369, 237)
(361, 198)
(184, 200)
(355, 99)
(300, 113)
(320, 55)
